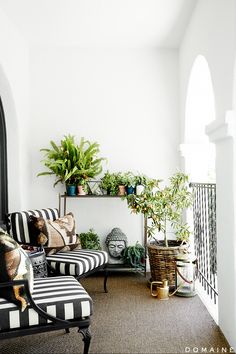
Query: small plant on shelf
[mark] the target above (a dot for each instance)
(90, 240)
(109, 183)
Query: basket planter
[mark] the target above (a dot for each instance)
(162, 260)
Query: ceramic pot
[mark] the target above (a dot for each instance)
(71, 190)
(121, 190)
(130, 190)
(139, 189)
(80, 190)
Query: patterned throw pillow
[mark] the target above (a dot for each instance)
(57, 235)
(14, 265)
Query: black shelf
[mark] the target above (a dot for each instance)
(111, 267)
(90, 196)
(119, 268)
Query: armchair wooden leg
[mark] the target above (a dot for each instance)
(86, 338)
(67, 330)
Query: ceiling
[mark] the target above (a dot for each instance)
(101, 23)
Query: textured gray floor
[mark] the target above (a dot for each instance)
(129, 320)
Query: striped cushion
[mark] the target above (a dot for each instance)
(19, 222)
(77, 262)
(63, 297)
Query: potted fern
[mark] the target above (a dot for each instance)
(163, 209)
(70, 162)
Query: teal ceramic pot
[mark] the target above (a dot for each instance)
(71, 190)
(130, 190)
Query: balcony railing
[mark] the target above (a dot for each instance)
(205, 245)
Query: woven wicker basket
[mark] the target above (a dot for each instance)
(162, 258)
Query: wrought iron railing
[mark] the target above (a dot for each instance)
(204, 220)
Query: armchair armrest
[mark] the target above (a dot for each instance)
(41, 312)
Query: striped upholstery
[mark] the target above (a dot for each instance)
(62, 297)
(18, 222)
(74, 263)
(77, 262)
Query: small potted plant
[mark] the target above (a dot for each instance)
(129, 180)
(109, 183)
(134, 256)
(82, 186)
(121, 181)
(90, 240)
(143, 181)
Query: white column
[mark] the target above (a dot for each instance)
(223, 135)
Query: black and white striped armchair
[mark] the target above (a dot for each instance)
(55, 303)
(78, 263)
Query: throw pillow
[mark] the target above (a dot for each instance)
(54, 235)
(36, 226)
(14, 265)
(60, 232)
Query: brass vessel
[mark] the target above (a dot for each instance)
(162, 292)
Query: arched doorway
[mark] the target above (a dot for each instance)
(200, 165)
(3, 168)
(199, 112)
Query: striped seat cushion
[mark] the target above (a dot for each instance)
(77, 262)
(18, 222)
(62, 297)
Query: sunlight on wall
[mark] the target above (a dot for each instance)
(200, 111)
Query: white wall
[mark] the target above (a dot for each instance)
(125, 99)
(212, 33)
(14, 80)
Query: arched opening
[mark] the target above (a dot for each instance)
(199, 112)
(3, 168)
(200, 165)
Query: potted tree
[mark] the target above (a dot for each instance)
(163, 209)
(70, 162)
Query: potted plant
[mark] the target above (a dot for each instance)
(109, 183)
(121, 181)
(82, 186)
(90, 240)
(134, 256)
(70, 162)
(129, 180)
(143, 181)
(61, 162)
(162, 209)
(88, 164)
